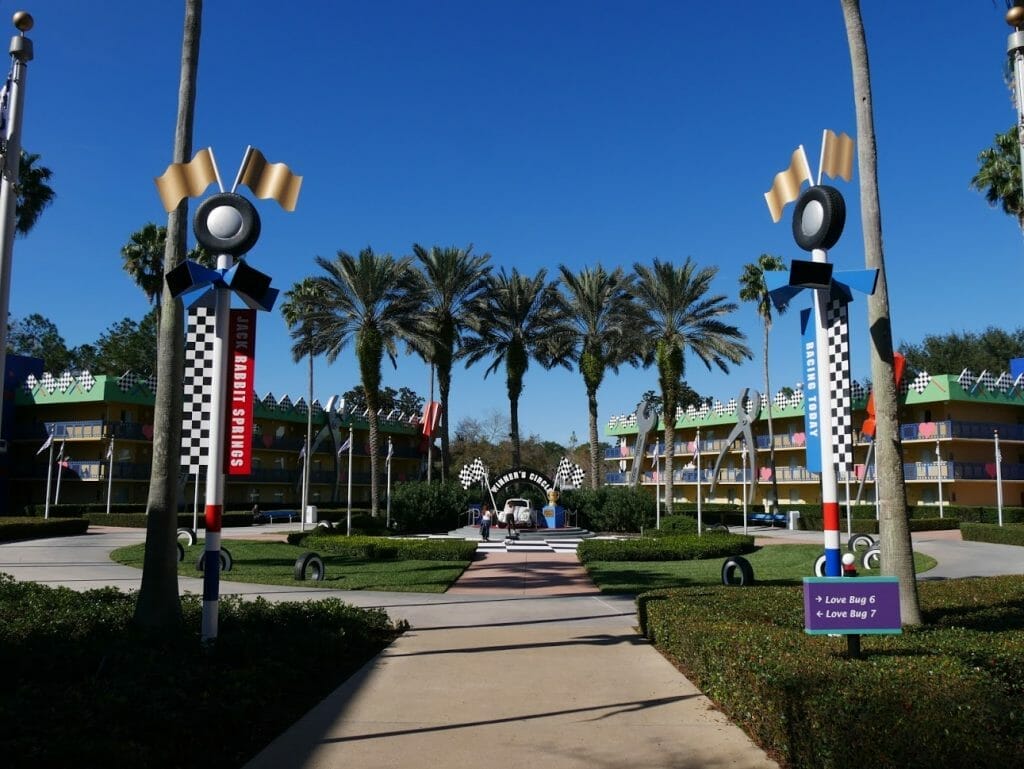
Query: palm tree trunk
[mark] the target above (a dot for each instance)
(158, 606)
(444, 386)
(513, 408)
(894, 528)
(771, 427)
(595, 462)
(670, 451)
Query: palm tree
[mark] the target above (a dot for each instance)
(894, 528)
(453, 283)
(512, 323)
(33, 193)
(299, 312)
(753, 289)
(682, 317)
(371, 300)
(999, 175)
(158, 607)
(602, 325)
(143, 257)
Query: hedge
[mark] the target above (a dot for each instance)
(870, 525)
(944, 694)
(39, 528)
(385, 548)
(681, 547)
(1010, 534)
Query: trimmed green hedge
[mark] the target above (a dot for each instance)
(1010, 534)
(38, 528)
(681, 547)
(139, 520)
(386, 548)
(870, 525)
(940, 695)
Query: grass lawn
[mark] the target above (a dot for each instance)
(772, 564)
(273, 563)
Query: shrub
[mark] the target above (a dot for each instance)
(674, 524)
(419, 507)
(1011, 534)
(611, 508)
(683, 547)
(385, 548)
(37, 528)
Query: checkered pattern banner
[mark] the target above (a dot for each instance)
(198, 388)
(471, 473)
(570, 473)
(841, 417)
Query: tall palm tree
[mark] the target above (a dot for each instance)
(372, 301)
(683, 317)
(34, 192)
(299, 312)
(601, 325)
(512, 323)
(158, 607)
(999, 175)
(753, 289)
(894, 527)
(454, 279)
(143, 257)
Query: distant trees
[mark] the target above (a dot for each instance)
(988, 350)
(998, 175)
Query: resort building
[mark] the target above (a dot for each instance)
(954, 430)
(102, 428)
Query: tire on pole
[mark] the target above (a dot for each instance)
(309, 566)
(737, 571)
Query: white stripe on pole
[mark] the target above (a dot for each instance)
(110, 472)
(696, 451)
(999, 478)
(348, 517)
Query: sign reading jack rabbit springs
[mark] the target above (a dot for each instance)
(241, 380)
(522, 475)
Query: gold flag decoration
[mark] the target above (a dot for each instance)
(186, 180)
(271, 180)
(837, 155)
(786, 187)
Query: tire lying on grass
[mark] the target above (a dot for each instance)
(188, 535)
(871, 558)
(181, 552)
(309, 566)
(819, 566)
(860, 542)
(325, 525)
(737, 571)
(226, 562)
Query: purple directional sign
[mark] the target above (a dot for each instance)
(867, 605)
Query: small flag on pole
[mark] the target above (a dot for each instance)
(270, 180)
(786, 187)
(186, 180)
(302, 451)
(837, 155)
(391, 450)
(656, 454)
(46, 444)
(110, 450)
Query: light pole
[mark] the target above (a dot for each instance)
(1015, 50)
(938, 468)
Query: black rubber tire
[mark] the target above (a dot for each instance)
(325, 525)
(226, 561)
(860, 542)
(721, 527)
(188, 534)
(737, 567)
(236, 245)
(309, 566)
(871, 558)
(833, 218)
(181, 552)
(819, 566)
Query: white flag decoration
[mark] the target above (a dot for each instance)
(46, 444)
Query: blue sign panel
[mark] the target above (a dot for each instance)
(848, 605)
(812, 415)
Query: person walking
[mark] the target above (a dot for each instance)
(485, 523)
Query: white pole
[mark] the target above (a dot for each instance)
(849, 514)
(348, 517)
(110, 472)
(743, 453)
(388, 519)
(999, 479)
(195, 506)
(829, 485)
(938, 468)
(697, 452)
(61, 459)
(49, 475)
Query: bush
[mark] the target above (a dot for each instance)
(419, 507)
(611, 508)
(385, 548)
(682, 547)
(15, 528)
(674, 524)
(1011, 534)
(801, 699)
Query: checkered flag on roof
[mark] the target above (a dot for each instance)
(569, 473)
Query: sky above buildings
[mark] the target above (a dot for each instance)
(571, 132)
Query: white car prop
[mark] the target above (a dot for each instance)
(520, 511)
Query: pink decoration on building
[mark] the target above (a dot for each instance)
(799, 439)
(926, 430)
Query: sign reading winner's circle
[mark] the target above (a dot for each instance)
(522, 475)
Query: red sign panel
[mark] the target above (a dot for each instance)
(241, 384)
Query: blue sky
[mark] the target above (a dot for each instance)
(545, 133)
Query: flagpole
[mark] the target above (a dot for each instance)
(351, 443)
(195, 506)
(49, 475)
(110, 472)
(696, 450)
(743, 452)
(21, 53)
(60, 472)
(390, 450)
(938, 470)
(999, 479)
(657, 486)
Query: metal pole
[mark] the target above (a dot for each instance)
(1015, 50)
(849, 513)
(743, 452)
(938, 469)
(49, 475)
(829, 489)
(351, 444)
(61, 459)
(195, 506)
(999, 479)
(110, 472)
(430, 436)
(388, 519)
(696, 445)
(309, 444)
(215, 462)
(657, 487)
(21, 52)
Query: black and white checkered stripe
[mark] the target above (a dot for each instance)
(841, 416)
(472, 473)
(198, 387)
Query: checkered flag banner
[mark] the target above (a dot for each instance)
(921, 382)
(472, 473)
(570, 473)
(198, 386)
(841, 416)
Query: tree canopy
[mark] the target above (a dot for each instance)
(950, 353)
